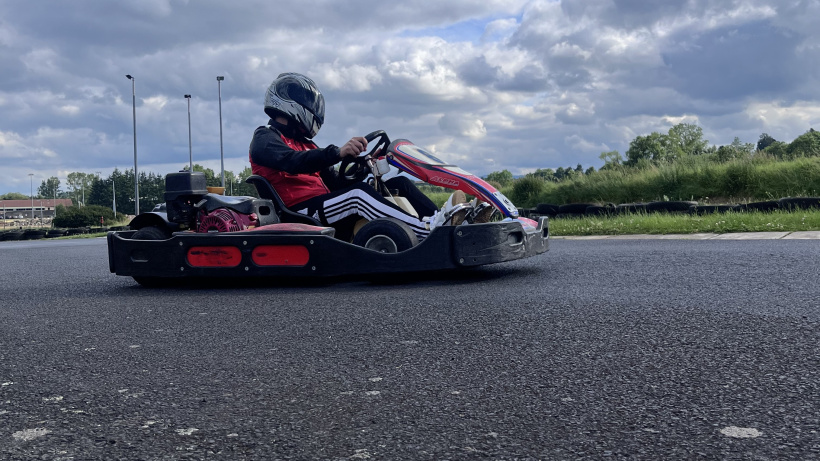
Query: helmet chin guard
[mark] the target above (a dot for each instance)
(297, 98)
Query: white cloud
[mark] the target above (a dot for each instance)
(782, 116)
(463, 125)
(492, 85)
(354, 78)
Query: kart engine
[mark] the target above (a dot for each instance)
(182, 191)
(225, 220)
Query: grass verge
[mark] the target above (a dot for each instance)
(664, 223)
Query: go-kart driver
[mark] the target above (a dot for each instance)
(303, 174)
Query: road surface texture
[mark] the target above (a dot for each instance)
(600, 349)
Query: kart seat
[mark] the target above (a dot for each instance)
(266, 191)
(211, 202)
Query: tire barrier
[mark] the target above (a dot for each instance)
(601, 210)
(670, 207)
(574, 208)
(570, 210)
(53, 233)
(77, 231)
(800, 203)
(711, 209)
(546, 209)
(13, 235)
(34, 234)
(768, 205)
(631, 208)
(42, 233)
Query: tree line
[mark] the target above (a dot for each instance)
(86, 189)
(681, 141)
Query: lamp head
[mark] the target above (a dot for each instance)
(129, 77)
(220, 78)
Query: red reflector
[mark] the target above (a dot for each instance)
(280, 255)
(217, 256)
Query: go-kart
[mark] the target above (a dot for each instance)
(202, 234)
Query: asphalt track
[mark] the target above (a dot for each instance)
(600, 349)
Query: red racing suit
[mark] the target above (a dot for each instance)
(296, 168)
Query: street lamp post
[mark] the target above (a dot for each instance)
(219, 80)
(136, 176)
(190, 149)
(114, 195)
(31, 191)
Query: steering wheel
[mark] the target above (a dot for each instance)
(355, 169)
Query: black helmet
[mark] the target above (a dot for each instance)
(297, 98)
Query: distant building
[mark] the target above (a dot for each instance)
(21, 209)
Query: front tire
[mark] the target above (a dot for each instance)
(386, 235)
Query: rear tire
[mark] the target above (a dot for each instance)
(386, 235)
(152, 233)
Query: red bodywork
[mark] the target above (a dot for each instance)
(415, 161)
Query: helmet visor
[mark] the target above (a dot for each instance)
(306, 96)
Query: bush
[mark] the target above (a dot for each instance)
(526, 190)
(85, 216)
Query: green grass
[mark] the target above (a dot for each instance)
(81, 236)
(438, 197)
(693, 178)
(664, 223)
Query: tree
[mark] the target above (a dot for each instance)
(651, 148)
(736, 150)
(230, 179)
(777, 149)
(612, 160)
(503, 177)
(152, 191)
(546, 174)
(122, 190)
(13, 196)
(211, 179)
(765, 141)
(805, 145)
(49, 188)
(100, 194)
(685, 139)
(80, 184)
(241, 188)
(746, 148)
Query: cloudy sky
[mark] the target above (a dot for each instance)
(486, 84)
